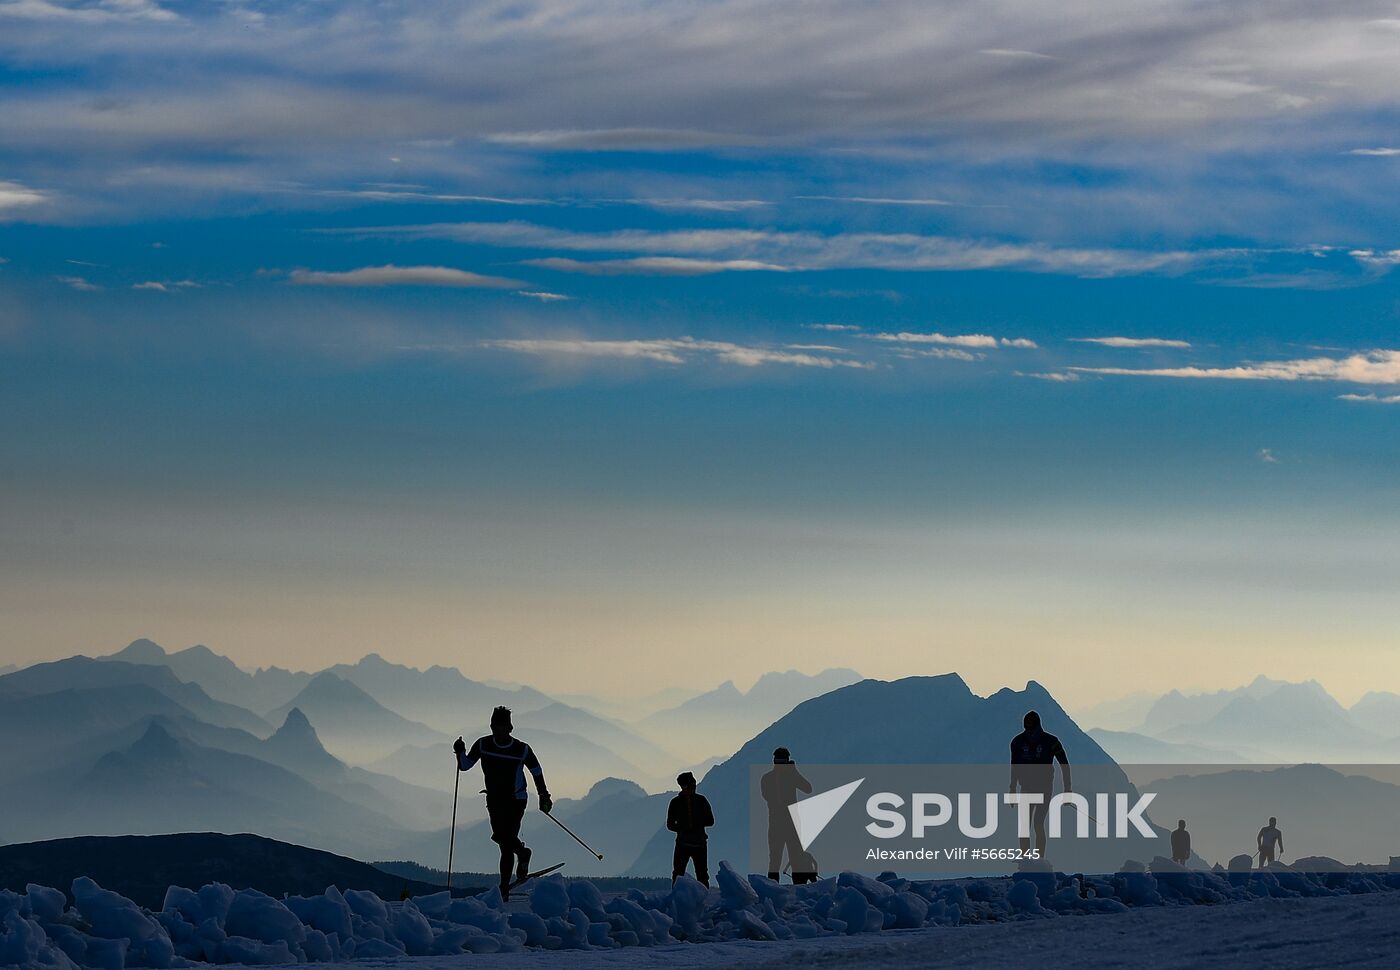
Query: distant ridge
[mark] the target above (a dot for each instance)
(142, 867)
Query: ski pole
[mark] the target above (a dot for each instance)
(452, 839)
(576, 838)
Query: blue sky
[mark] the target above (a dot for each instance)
(550, 337)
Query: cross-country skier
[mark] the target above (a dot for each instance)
(1181, 843)
(1033, 756)
(688, 815)
(504, 761)
(1270, 841)
(779, 788)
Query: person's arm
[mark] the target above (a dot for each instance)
(1280, 843)
(533, 763)
(1011, 784)
(1063, 759)
(673, 821)
(707, 814)
(466, 760)
(1259, 840)
(803, 785)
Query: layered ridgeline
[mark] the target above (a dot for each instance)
(915, 721)
(1264, 722)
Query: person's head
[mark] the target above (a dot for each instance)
(782, 756)
(1181, 823)
(1031, 721)
(1272, 820)
(500, 722)
(686, 780)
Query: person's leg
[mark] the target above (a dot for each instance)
(1038, 814)
(506, 815)
(678, 860)
(776, 841)
(701, 855)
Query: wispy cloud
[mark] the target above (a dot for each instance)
(1383, 258)
(653, 266)
(165, 287)
(618, 139)
(1377, 152)
(749, 249)
(1058, 377)
(979, 340)
(876, 200)
(78, 283)
(679, 350)
(543, 296)
(1267, 456)
(104, 11)
(1131, 341)
(1373, 367)
(1017, 54)
(834, 327)
(390, 275)
(1371, 398)
(13, 195)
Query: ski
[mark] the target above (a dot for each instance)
(535, 874)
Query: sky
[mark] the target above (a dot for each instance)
(614, 345)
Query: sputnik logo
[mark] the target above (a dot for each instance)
(813, 814)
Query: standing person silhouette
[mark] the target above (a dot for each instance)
(1270, 841)
(1181, 843)
(504, 761)
(688, 815)
(779, 788)
(1033, 755)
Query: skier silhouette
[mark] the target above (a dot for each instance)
(1270, 841)
(779, 788)
(1033, 755)
(504, 760)
(688, 815)
(1181, 843)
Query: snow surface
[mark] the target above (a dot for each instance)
(1174, 915)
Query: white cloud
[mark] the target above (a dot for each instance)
(1131, 341)
(748, 249)
(13, 195)
(165, 287)
(680, 350)
(652, 266)
(699, 205)
(1267, 456)
(1059, 377)
(105, 11)
(1374, 257)
(391, 275)
(1373, 367)
(1377, 152)
(1371, 398)
(618, 139)
(875, 200)
(543, 296)
(957, 340)
(834, 327)
(1017, 54)
(78, 283)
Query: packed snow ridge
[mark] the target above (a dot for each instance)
(219, 925)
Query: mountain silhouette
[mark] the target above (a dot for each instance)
(916, 720)
(296, 747)
(142, 867)
(1129, 748)
(621, 740)
(1378, 712)
(1285, 724)
(222, 679)
(441, 697)
(85, 672)
(353, 725)
(726, 716)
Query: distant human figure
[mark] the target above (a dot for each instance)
(1033, 756)
(688, 815)
(1181, 843)
(779, 788)
(504, 761)
(1270, 843)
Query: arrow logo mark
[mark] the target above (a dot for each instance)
(811, 815)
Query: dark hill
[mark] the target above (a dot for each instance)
(142, 867)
